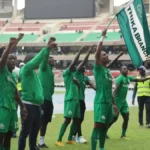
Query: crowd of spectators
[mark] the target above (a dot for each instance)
(70, 50)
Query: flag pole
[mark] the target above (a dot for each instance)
(110, 22)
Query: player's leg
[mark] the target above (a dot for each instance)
(98, 133)
(13, 127)
(26, 126)
(75, 107)
(5, 119)
(35, 128)
(73, 127)
(147, 105)
(7, 140)
(15, 132)
(115, 118)
(125, 124)
(80, 138)
(47, 108)
(102, 116)
(68, 117)
(62, 131)
(2, 135)
(125, 115)
(141, 103)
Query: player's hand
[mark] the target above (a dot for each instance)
(82, 48)
(24, 113)
(20, 36)
(115, 110)
(121, 53)
(133, 102)
(12, 41)
(91, 48)
(52, 45)
(104, 32)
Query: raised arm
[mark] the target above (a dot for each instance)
(44, 63)
(141, 80)
(12, 44)
(6, 52)
(20, 36)
(74, 62)
(100, 48)
(42, 55)
(45, 60)
(134, 94)
(113, 61)
(85, 59)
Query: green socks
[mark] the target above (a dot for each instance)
(102, 135)
(6, 148)
(62, 131)
(94, 138)
(72, 130)
(1, 147)
(123, 132)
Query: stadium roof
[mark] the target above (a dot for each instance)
(21, 3)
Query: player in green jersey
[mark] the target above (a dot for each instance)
(119, 95)
(103, 101)
(71, 103)
(46, 77)
(32, 97)
(9, 96)
(83, 80)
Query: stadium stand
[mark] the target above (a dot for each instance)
(96, 36)
(25, 27)
(27, 37)
(70, 31)
(64, 37)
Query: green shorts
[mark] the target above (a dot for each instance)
(103, 113)
(8, 120)
(72, 109)
(122, 107)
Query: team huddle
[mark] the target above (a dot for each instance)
(37, 89)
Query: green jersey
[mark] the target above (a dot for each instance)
(46, 76)
(123, 82)
(8, 89)
(103, 81)
(32, 91)
(83, 80)
(72, 91)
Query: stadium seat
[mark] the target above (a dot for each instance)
(27, 37)
(64, 37)
(25, 27)
(79, 23)
(111, 36)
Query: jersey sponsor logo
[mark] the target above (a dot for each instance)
(103, 117)
(2, 126)
(70, 113)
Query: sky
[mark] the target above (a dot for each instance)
(21, 3)
(120, 2)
